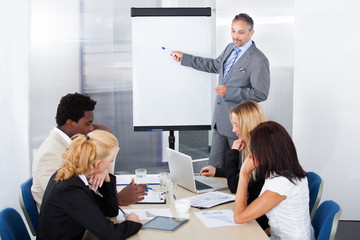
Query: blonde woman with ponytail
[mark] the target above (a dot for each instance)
(244, 117)
(74, 201)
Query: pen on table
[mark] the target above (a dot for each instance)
(163, 48)
(148, 188)
(123, 212)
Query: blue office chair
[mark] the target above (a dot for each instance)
(315, 184)
(326, 219)
(12, 226)
(28, 206)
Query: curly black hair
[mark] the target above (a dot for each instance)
(72, 106)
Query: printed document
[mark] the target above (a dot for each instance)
(154, 197)
(211, 199)
(146, 214)
(151, 179)
(217, 218)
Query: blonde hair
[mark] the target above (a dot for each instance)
(84, 150)
(249, 114)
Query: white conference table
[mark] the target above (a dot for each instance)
(194, 228)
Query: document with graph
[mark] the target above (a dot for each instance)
(211, 199)
(217, 218)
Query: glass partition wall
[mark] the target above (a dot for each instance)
(106, 75)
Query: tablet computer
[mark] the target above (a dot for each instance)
(162, 223)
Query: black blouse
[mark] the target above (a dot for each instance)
(231, 172)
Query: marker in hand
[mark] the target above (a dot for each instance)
(163, 48)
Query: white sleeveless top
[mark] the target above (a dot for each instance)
(290, 219)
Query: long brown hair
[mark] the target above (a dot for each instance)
(84, 150)
(272, 147)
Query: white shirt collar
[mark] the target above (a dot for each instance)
(63, 135)
(83, 178)
(246, 46)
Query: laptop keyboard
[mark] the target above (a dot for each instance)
(201, 186)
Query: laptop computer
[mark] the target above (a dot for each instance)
(182, 172)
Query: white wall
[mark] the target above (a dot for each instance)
(23, 99)
(326, 97)
(14, 100)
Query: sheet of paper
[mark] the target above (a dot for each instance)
(151, 179)
(154, 197)
(146, 214)
(210, 199)
(217, 218)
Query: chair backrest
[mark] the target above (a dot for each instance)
(28, 206)
(326, 219)
(315, 191)
(12, 226)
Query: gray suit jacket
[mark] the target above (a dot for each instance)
(248, 79)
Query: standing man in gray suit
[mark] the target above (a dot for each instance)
(243, 75)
